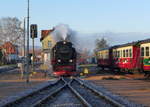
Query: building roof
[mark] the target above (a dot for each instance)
(10, 48)
(45, 33)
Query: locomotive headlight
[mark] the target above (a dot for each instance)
(70, 60)
(59, 60)
(64, 42)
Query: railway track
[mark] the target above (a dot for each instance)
(91, 97)
(66, 92)
(8, 69)
(34, 97)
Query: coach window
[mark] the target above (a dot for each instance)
(147, 51)
(114, 54)
(107, 55)
(123, 53)
(142, 51)
(127, 53)
(118, 54)
(130, 53)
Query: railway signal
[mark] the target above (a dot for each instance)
(33, 34)
(33, 31)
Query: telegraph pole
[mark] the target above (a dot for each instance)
(27, 77)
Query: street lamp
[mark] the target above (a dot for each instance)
(24, 37)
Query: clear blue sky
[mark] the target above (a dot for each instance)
(88, 16)
(84, 15)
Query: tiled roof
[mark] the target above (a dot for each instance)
(45, 33)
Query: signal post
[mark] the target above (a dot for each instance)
(33, 34)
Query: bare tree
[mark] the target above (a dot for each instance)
(101, 44)
(10, 30)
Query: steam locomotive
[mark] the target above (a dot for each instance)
(63, 59)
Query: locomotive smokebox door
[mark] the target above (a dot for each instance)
(33, 31)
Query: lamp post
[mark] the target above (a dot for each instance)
(24, 47)
(27, 77)
(24, 37)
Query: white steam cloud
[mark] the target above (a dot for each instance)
(63, 32)
(80, 41)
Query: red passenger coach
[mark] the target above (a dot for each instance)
(121, 57)
(126, 57)
(104, 58)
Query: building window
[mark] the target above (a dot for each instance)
(49, 43)
(142, 51)
(147, 51)
(43, 45)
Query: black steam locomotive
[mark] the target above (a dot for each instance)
(63, 59)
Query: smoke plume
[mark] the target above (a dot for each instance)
(63, 32)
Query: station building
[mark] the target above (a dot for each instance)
(47, 44)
